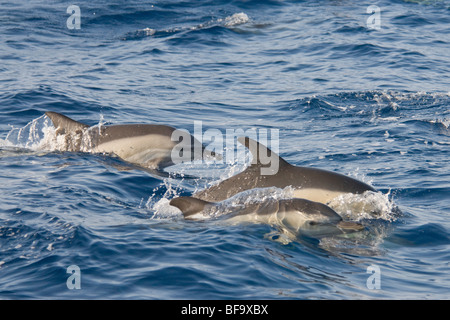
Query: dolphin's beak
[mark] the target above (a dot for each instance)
(350, 226)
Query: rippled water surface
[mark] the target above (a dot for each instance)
(373, 104)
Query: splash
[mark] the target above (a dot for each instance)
(369, 205)
(40, 135)
(235, 20)
(159, 205)
(259, 195)
(31, 136)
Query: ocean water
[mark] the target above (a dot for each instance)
(347, 87)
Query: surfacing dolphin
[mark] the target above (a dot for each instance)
(294, 215)
(147, 145)
(307, 183)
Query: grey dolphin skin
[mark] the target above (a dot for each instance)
(293, 214)
(147, 145)
(307, 183)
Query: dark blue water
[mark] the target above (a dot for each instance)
(370, 103)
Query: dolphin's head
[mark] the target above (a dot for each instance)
(299, 214)
(302, 216)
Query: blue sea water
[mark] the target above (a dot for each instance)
(371, 103)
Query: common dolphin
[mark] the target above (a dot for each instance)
(295, 215)
(147, 145)
(307, 183)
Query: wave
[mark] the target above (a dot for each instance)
(375, 106)
(229, 22)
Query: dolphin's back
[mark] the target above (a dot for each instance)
(124, 131)
(305, 177)
(309, 183)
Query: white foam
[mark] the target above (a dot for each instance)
(444, 122)
(230, 21)
(30, 136)
(162, 209)
(236, 19)
(369, 205)
(261, 195)
(40, 135)
(148, 31)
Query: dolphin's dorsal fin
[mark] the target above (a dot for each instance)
(262, 156)
(64, 124)
(189, 205)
